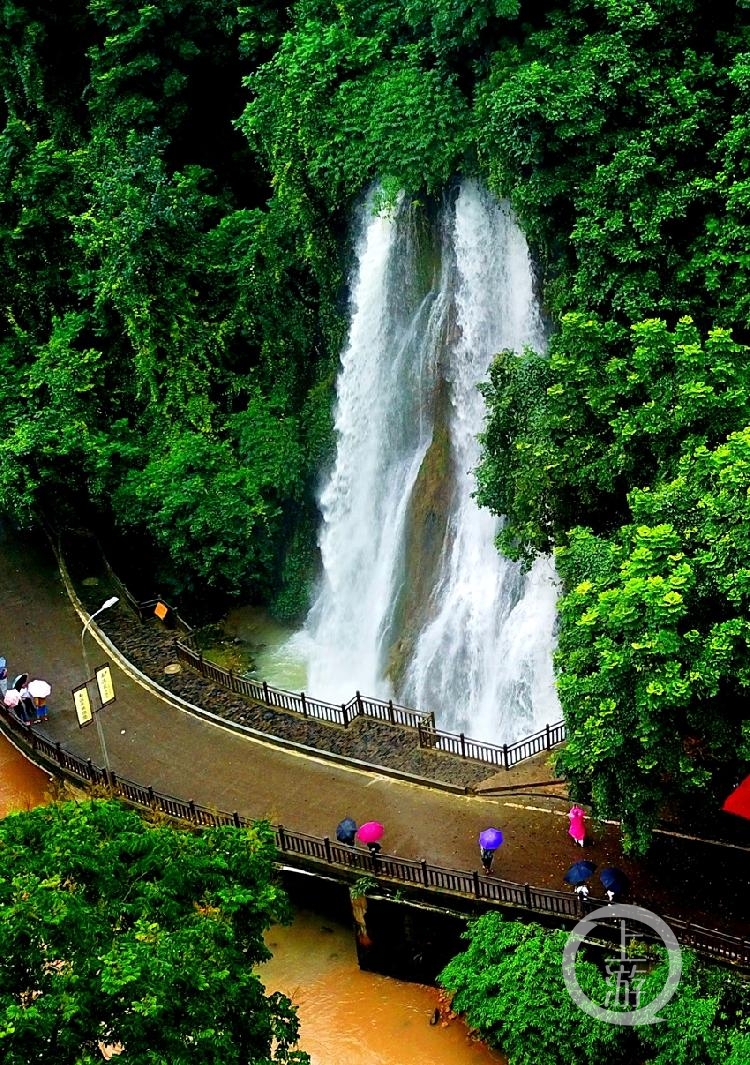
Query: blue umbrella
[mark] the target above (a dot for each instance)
(490, 839)
(346, 830)
(614, 880)
(579, 872)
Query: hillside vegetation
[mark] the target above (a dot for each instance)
(176, 183)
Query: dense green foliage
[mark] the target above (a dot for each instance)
(509, 985)
(176, 182)
(119, 931)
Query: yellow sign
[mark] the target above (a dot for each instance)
(105, 685)
(161, 610)
(83, 706)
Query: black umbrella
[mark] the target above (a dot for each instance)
(579, 872)
(345, 831)
(614, 880)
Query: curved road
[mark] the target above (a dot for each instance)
(154, 743)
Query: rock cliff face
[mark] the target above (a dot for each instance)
(427, 528)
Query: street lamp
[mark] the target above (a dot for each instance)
(100, 732)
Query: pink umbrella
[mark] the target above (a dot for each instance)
(12, 697)
(370, 832)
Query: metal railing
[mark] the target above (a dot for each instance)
(326, 853)
(430, 738)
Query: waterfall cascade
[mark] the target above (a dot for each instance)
(415, 602)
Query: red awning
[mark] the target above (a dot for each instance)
(739, 801)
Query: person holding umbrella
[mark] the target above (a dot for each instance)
(614, 882)
(579, 873)
(346, 831)
(489, 840)
(371, 833)
(39, 690)
(26, 705)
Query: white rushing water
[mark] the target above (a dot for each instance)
(432, 301)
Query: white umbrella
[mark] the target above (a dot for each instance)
(39, 689)
(12, 697)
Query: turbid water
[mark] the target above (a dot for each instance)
(356, 1017)
(346, 1015)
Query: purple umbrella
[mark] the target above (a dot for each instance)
(490, 839)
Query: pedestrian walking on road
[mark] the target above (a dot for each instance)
(487, 857)
(577, 828)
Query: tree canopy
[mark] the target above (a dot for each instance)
(118, 931)
(509, 985)
(176, 185)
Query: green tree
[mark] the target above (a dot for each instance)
(569, 434)
(654, 651)
(509, 986)
(117, 930)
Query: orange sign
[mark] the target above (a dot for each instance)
(161, 610)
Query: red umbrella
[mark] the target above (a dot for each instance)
(739, 801)
(370, 832)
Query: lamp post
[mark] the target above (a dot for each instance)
(100, 732)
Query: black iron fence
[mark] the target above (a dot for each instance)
(503, 756)
(443, 884)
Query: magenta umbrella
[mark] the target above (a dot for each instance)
(12, 697)
(370, 832)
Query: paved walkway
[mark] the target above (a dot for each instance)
(151, 741)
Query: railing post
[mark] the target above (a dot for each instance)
(425, 873)
(360, 708)
(112, 779)
(193, 813)
(345, 714)
(58, 752)
(505, 756)
(304, 703)
(151, 797)
(549, 743)
(282, 838)
(463, 745)
(475, 878)
(527, 896)
(236, 820)
(391, 716)
(265, 692)
(327, 845)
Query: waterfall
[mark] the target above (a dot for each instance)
(415, 603)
